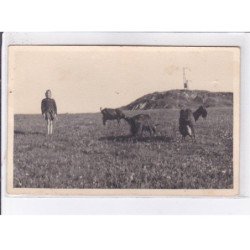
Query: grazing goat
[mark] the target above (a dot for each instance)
(140, 123)
(111, 114)
(187, 120)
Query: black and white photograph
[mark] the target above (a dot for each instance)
(123, 120)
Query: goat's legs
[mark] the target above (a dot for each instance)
(152, 130)
(140, 130)
(193, 135)
(104, 121)
(192, 138)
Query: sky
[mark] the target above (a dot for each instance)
(84, 78)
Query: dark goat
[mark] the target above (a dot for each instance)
(111, 114)
(140, 123)
(187, 120)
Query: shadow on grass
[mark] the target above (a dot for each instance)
(129, 138)
(19, 132)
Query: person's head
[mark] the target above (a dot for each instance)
(48, 93)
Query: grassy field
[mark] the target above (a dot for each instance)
(82, 153)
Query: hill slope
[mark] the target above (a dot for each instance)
(181, 98)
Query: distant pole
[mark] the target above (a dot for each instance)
(185, 81)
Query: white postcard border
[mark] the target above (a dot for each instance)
(133, 205)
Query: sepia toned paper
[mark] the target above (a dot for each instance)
(83, 79)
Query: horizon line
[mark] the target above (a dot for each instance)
(121, 107)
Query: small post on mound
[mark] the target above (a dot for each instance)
(185, 81)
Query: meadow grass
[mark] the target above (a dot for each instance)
(82, 153)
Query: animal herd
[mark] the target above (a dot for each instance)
(143, 122)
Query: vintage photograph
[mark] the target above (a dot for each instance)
(123, 120)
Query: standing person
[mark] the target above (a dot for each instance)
(49, 110)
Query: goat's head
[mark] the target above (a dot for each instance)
(182, 113)
(202, 112)
(121, 114)
(126, 118)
